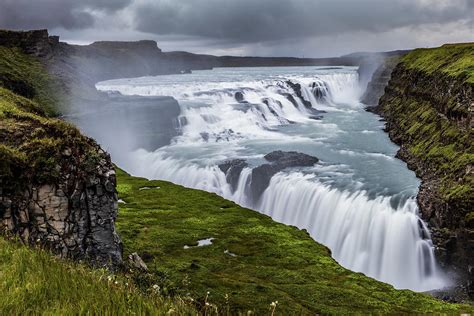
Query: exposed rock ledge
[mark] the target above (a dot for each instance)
(261, 175)
(74, 217)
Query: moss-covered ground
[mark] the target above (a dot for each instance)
(31, 140)
(455, 60)
(252, 260)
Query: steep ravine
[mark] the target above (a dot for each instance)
(429, 105)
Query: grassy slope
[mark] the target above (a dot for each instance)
(27, 77)
(456, 60)
(431, 137)
(31, 142)
(34, 282)
(273, 262)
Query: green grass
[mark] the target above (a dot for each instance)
(31, 140)
(26, 76)
(454, 60)
(272, 262)
(32, 144)
(33, 282)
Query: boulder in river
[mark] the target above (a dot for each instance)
(279, 160)
(239, 97)
(232, 170)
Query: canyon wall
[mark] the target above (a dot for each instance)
(429, 105)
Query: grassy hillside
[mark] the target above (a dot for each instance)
(31, 146)
(455, 60)
(31, 141)
(33, 282)
(27, 77)
(252, 260)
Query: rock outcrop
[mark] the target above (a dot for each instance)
(36, 42)
(57, 187)
(376, 86)
(261, 175)
(279, 160)
(73, 216)
(232, 170)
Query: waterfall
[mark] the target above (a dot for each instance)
(368, 236)
(222, 119)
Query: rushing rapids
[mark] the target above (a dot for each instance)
(358, 199)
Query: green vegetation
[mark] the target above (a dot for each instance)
(33, 282)
(433, 122)
(35, 148)
(441, 144)
(455, 60)
(252, 261)
(26, 76)
(31, 142)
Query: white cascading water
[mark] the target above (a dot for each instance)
(365, 233)
(369, 236)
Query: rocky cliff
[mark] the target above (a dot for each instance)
(380, 78)
(429, 106)
(57, 187)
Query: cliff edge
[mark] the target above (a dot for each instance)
(57, 187)
(429, 107)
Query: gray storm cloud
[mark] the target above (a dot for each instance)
(265, 27)
(67, 14)
(263, 20)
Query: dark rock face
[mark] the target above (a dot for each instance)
(376, 86)
(470, 282)
(232, 170)
(319, 90)
(296, 87)
(279, 160)
(239, 97)
(291, 159)
(37, 42)
(74, 217)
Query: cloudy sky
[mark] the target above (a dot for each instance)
(309, 28)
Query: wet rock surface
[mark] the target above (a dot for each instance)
(376, 86)
(279, 160)
(297, 89)
(232, 170)
(261, 175)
